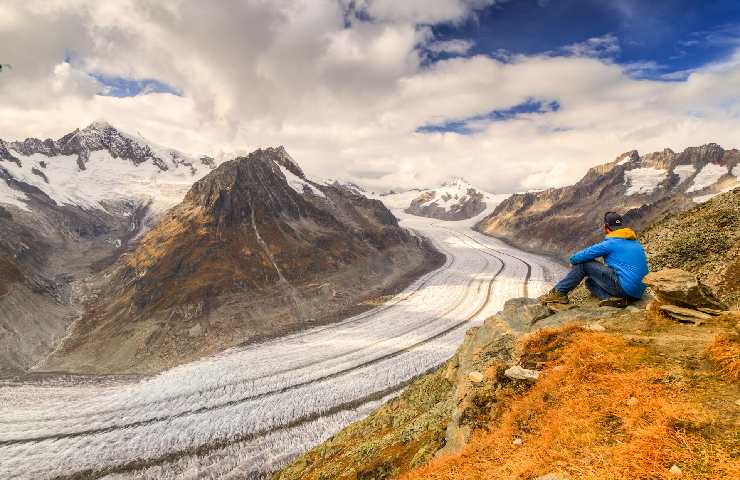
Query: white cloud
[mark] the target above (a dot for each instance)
(603, 46)
(345, 95)
(456, 46)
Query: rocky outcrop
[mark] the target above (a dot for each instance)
(681, 296)
(643, 188)
(682, 288)
(255, 250)
(437, 414)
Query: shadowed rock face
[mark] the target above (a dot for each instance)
(44, 252)
(644, 189)
(254, 250)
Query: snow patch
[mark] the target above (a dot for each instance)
(105, 178)
(10, 196)
(300, 185)
(708, 176)
(684, 172)
(709, 196)
(643, 181)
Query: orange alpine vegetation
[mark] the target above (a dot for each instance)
(605, 407)
(725, 351)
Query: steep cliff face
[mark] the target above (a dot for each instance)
(255, 249)
(644, 189)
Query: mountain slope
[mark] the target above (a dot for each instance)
(453, 200)
(68, 208)
(561, 220)
(254, 250)
(705, 241)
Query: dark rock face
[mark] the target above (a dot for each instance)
(559, 221)
(251, 252)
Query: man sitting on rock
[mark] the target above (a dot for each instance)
(615, 283)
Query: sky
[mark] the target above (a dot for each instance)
(512, 95)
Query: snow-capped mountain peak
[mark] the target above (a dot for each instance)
(97, 165)
(455, 199)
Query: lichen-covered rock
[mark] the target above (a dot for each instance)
(682, 288)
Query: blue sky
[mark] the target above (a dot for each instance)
(657, 39)
(677, 35)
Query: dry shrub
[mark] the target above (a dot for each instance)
(597, 412)
(725, 351)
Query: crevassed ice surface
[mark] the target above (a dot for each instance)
(247, 411)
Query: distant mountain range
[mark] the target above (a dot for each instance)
(643, 188)
(254, 248)
(453, 200)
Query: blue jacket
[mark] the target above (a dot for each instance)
(624, 254)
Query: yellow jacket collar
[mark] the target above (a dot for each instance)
(625, 233)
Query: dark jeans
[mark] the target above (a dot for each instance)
(601, 280)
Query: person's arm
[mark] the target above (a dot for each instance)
(594, 251)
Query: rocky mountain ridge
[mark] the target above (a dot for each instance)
(644, 188)
(255, 249)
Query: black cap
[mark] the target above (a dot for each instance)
(613, 220)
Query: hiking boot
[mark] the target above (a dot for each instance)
(553, 296)
(618, 302)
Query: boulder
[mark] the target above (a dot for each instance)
(552, 476)
(685, 314)
(475, 377)
(521, 313)
(682, 288)
(519, 373)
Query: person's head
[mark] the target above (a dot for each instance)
(613, 221)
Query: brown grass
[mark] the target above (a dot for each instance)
(725, 351)
(599, 411)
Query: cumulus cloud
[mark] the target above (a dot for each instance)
(344, 86)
